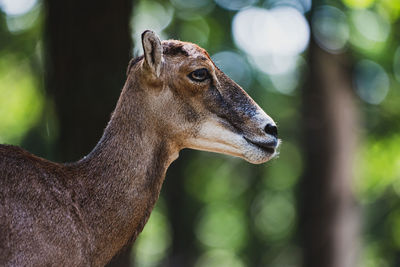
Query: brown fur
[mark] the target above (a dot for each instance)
(83, 213)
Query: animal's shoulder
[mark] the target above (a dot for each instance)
(8, 150)
(19, 166)
(16, 157)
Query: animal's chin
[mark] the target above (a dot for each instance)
(258, 158)
(259, 152)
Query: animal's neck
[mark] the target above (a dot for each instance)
(122, 177)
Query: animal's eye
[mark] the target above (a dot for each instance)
(199, 75)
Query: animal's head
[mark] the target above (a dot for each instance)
(197, 106)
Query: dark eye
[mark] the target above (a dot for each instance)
(199, 75)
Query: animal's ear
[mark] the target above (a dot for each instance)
(152, 49)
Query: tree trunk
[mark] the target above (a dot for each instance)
(88, 46)
(329, 213)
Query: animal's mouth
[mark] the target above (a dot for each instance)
(268, 146)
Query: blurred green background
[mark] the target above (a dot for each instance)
(216, 210)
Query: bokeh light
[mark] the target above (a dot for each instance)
(149, 15)
(330, 28)
(235, 4)
(279, 31)
(17, 7)
(273, 40)
(275, 64)
(371, 81)
(371, 25)
(222, 226)
(274, 216)
(286, 82)
(17, 24)
(371, 30)
(302, 6)
(235, 66)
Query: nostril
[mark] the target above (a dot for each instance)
(272, 130)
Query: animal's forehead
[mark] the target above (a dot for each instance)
(174, 47)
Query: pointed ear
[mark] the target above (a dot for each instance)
(152, 49)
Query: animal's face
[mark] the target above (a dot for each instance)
(200, 107)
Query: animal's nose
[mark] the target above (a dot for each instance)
(271, 130)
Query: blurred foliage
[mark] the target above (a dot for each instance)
(152, 246)
(23, 104)
(381, 161)
(26, 114)
(249, 213)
